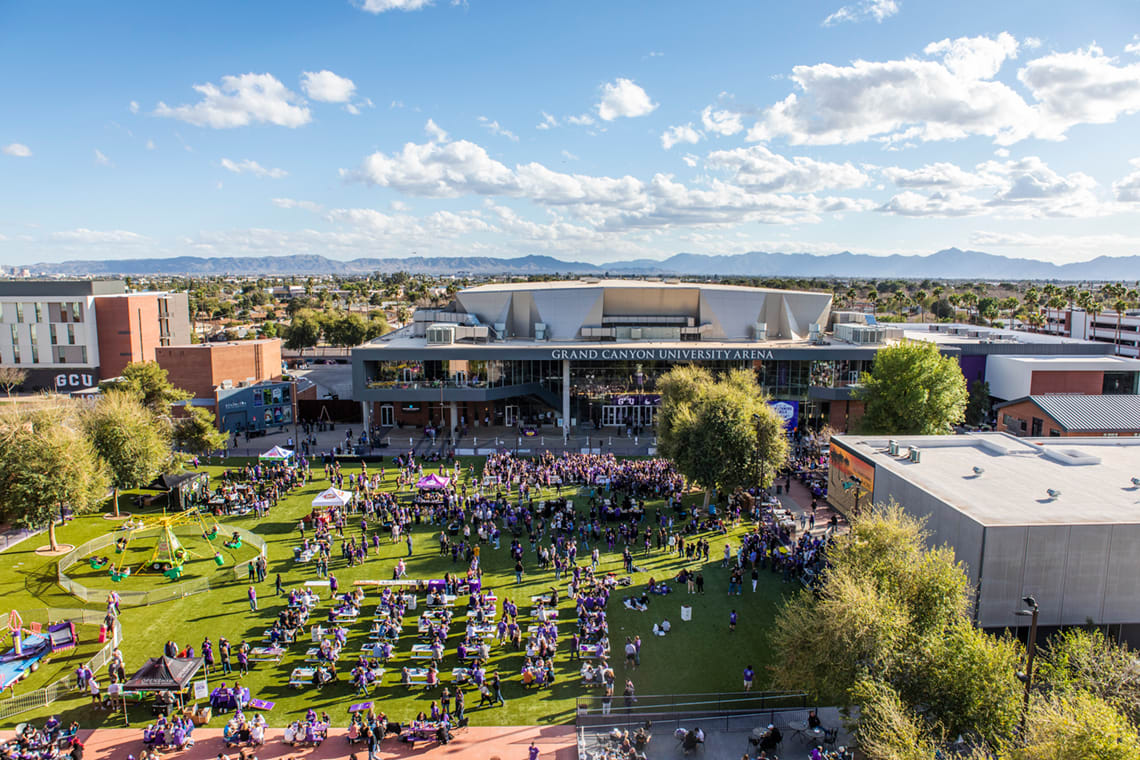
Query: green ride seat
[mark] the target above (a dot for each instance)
(219, 560)
(173, 573)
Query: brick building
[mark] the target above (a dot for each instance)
(1065, 415)
(69, 335)
(203, 368)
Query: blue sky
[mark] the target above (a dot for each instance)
(591, 131)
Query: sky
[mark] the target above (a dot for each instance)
(590, 131)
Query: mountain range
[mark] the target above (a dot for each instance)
(950, 263)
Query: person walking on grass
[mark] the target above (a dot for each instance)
(732, 621)
(252, 593)
(748, 675)
(278, 587)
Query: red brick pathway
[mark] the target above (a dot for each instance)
(474, 743)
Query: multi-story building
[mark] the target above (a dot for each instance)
(1121, 329)
(203, 369)
(69, 335)
(587, 354)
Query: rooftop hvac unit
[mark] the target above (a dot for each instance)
(893, 447)
(914, 455)
(635, 333)
(813, 331)
(540, 331)
(760, 330)
(501, 329)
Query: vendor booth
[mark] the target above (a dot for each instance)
(276, 454)
(333, 497)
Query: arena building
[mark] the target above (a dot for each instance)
(586, 354)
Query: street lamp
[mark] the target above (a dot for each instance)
(1030, 651)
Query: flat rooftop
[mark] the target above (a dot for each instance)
(1073, 363)
(962, 334)
(522, 287)
(1094, 476)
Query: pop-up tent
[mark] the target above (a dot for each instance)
(181, 488)
(164, 674)
(332, 497)
(433, 483)
(276, 454)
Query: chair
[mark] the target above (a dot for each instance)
(830, 737)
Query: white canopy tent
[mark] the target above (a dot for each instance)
(333, 497)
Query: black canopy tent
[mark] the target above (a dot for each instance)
(179, 487)
(159, 674)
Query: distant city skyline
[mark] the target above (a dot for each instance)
(588, 132)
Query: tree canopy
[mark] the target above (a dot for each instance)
(194, 433)
(888, 628)
(129, 438)
(721, 434)
(47, 462)
(912, 389)
(150, 383)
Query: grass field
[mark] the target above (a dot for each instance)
(699, 656)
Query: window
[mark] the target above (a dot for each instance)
(19, 312)
(54, 336)
(39, 307)
(76, 312)
(15, 344)
(71, 335)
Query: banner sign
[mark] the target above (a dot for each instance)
(789, 412)
(636, 399)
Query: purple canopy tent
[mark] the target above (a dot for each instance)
(433, 483)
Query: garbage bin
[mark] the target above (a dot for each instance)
(296, 554)
(779, 489)
(686, 613)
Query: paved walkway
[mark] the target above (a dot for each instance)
(475, 743)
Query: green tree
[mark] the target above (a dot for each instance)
(11, 377)
(721, 434)
(347, 330)
(150, 383)
(1078, 659)
(978, 405)
(912, 389)
(941, 309)
(304, 332)
(46, 463)
(134, 444)
(1077, 725)
(195, 433)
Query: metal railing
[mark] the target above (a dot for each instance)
(155, 596)
(59, 689)
(664, 708)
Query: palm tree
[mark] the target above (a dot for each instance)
(1119, 306)
(1036, 320)
(920, 299)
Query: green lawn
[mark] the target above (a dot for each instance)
(699, 656)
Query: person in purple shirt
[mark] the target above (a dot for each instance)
(732, 620)
(748, 674)
(252, 599)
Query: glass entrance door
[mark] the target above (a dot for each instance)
(510, 415)
(387, 418)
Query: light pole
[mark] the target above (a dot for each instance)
(1030, 651)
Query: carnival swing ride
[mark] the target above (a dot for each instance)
(169, 553)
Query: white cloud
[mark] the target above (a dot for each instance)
(758, 168)
(458, 168)
(864, 10)
(101, 159)
(1082, 87)
(291, 203)
(133, 106)
(1032, 43)
(568, 155)
(584, 120)
(691, 160)
(942, 174)
(721, 122)
(249, 166)
(1002, 153)
(496, 129)
(327, 87)
(911, 99)
(682, 133)
(382, 6)
(548, 121)
(16, 150)
(1020, 188)
(1134, 46)
(86, 236)
(1078, 244)
(1127, 190)
(434, 131)
(150, 145)
(240, 101)
(623, 98)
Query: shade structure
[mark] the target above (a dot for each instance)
(332, 497)
(433, 483)
(164, 674)
(276, 454)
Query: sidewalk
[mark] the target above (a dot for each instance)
(474, 743)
